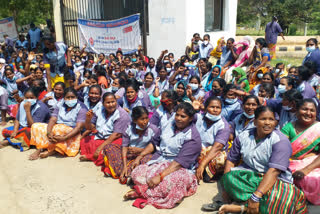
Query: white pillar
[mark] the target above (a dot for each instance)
(57, 20)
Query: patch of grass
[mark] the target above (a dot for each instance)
(293, 61)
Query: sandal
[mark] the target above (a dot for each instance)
(130, 195)
(214, 206)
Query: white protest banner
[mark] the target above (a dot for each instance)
(7, 26)
(108, 36)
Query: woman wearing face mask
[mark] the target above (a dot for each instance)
(62, 133)
(30, 111)
(194, 90)
(240, 79)
(169, 176)
(214, 74)
(107, 125)
(231, 106)
(286, 84)
(119, 158)
(304, 136)
(54, 97)
(244, 121)
(181, 88)
(214, 131)
(218, 86)
(77, 66)
(165, 113)
(303, 86)
(313, 53)
(256, 77)
(134, 97)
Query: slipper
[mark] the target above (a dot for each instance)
(214, 206)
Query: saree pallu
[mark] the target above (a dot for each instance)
(22, 139)
(310, 184)
(216, 166)
(89, 145)
(13, 110)
(272, 49)
(170, 191)
(39, 138)
(305, 142)
(283, 198)
(113, 164)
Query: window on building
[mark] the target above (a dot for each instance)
(213, 15)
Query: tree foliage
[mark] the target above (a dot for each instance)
(287, 11)
(27, 11)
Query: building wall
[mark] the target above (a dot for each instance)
(172, 24)
(167, 26)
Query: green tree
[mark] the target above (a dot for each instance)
(26, 11)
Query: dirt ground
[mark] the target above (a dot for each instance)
(65, 185)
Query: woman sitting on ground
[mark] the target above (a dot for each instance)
(165, 113)
(30, 111)
(240, 79)
(214, 131)
(264, 173)
(169, 176)
(107, 123)
(119, 158)
(62, 133)
(305, 138)
(231, 106)
(245, 120)
(93, 99)
(54, 97)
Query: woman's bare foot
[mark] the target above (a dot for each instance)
(130, 195)
(83, 158)
(4, 144)
(35, 155)
(232, 208)
(46, 154)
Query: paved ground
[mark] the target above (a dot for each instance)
(58, 185)
(65, 185)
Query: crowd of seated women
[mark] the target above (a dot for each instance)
(163, 126)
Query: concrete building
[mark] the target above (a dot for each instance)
(170, 24)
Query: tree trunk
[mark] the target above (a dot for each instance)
(14, 14)
(305, 29)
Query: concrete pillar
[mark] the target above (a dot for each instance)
(57, 20)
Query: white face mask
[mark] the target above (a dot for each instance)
(212, 117)
(260, 76)
(193, 86)
(205, 42)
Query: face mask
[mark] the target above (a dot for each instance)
(32, 101)
(186, 64)
(248, 116)
(260, 76)
(91, 61)
(194, 86)
(311, 48)
(139, 128)
(71, 103)
(165, 102)
(282, 89)
(205, 42)
(213, 117)
(21, 67)
(134, 59)
(286, 108)
(77, 64)
(231, 101)
(165, 61)
(216, 91)
(277, 70)
(114, 88)
(168, 70)
(185, 78)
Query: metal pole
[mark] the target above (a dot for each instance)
(145, 26)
